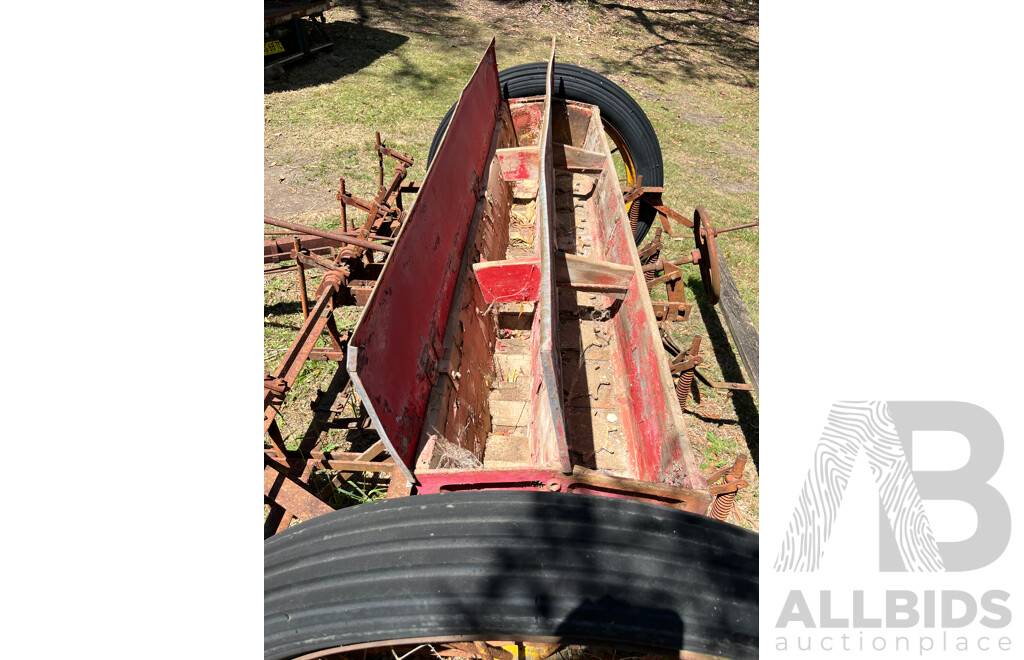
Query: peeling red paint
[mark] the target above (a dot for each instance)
(509, 281)
(396, 333)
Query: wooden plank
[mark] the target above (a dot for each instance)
(742, 329)
(518, 163)
(351, 467)
(574, 159)
(594, 275)
(523, 163)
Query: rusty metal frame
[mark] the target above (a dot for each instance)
(287, 487)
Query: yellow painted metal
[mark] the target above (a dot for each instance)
(627, 159)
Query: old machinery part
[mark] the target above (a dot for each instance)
(720, 385)
(723, 504)
(706, 256)
(688, 365)
(341, 202)
(634, 216)
(287, 487)
(344, 238)
(704, 237)
(651, 253)
(694, 256)
(624, 121)
(684, 363)
(629, 195)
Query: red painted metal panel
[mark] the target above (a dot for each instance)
(658, 448)
(394, 349)
(654, 426)
(512, 280)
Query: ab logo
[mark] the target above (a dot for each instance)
(882, 430)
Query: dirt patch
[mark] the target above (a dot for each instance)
(701, 120)
(739, 151)
(682, 106)
(737, 188)
(284, 197)
(725, 181)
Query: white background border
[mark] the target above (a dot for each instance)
(890, 252)
(890, 269)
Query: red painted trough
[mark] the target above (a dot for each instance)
(527, 354)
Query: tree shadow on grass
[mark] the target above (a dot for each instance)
(437, 20)
(283, 308)
(355, 47)
(375, 31)
(742, 401)
(710, 40)
(702, 42)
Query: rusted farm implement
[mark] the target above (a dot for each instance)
(542, 492)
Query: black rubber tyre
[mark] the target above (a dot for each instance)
(617, 109)
(512, 565)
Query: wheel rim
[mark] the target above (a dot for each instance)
(622, 149)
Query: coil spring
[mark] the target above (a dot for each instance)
(723, 504)
(683, 388)
(649, 275)
(722, 507)
(634, 214)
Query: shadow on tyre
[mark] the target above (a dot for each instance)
(512, 565)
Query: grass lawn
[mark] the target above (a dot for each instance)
(398, 66)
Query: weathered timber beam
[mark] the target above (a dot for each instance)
(522, 163)
(574, 159)
(518, 163)
(742, 329)
(593, 275)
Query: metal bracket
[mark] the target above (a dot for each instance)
(721, 385)
(731, 487)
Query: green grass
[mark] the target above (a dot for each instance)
(353, 493)
(398, 67)
(718, 453)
